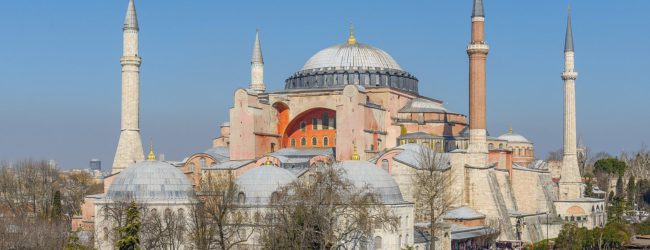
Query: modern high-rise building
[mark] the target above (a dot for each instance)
(95, 164)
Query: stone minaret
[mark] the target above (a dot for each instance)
(570, 179)
(257, 66)
(477, 51)
(129, 147)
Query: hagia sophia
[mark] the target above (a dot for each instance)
(352, 105)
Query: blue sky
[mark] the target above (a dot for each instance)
(60, 71)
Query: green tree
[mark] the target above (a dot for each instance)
(589, 188)
(130, 240)
(631, 192)
(619, 187)
(74, 243)
(610, 165)
(57, 211)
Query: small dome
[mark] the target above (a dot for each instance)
(259, 183)
(363, 173)
(512, 137)
(351, 55)
(150, 181)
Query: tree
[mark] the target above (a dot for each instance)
(130, 238)
(57, 211)
(589, 188)
(631, 192)
(619, 187)
(432, 184)
(327, 212)
(215, 221)
(611, 166)
(555, 155)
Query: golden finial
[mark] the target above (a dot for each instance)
(355, 155)
(351, 39)
(268, 161)
(152, 155)
(510, 130)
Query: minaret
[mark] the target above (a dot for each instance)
(477, 51)
(129, 147)
(257, 66)
(570, 179)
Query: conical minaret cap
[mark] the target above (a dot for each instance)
(568, 43)
(131, 19)
(257, 49)
(477, 11)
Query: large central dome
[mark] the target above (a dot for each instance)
(351, 63)
(351, 55)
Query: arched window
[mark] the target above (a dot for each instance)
(314, 141)
(399, 241)
(377, 243)
(274, 197)
(202, 161)
(314, 123)
(258, 217)
(438, 147)
(192, 167)
(326, 121)
(181, 214)
(303, 142)
(500, 145)
(326, 141)
(363, 243)
(490, 146)
(293, 142)
(105, 234)
(303, 126)
(384, 164)
(241, 198)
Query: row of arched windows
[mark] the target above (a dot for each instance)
(314, 141)
(517, 151)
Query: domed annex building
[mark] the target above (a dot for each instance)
(159, 189)
(259, 186)
(353, 106)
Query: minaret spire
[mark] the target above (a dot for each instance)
(477, 11)
(257, 66)
(570, 179)
(129, 147)
(131, 19)
(477, 51)
(568, 40)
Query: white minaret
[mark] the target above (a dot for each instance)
(257, 66)
(129, 147)
(570, 179)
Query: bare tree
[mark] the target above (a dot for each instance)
(432, 182)
(163, 231)
(328, 212)
(215, 220)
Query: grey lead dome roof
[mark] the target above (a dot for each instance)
(258, 184)
(351, 55)
(362, 173)
(150, 181)
(512, 137)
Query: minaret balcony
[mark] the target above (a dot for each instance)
(478, 48)
(569, 75)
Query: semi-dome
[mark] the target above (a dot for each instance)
(150, 181)
(513, 137)
(352, 63)
(362, 173)
(259, 183)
